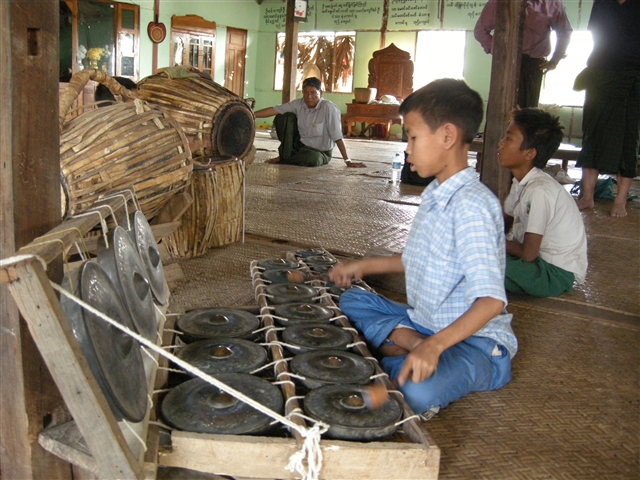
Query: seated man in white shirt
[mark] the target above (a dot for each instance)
(308, 128)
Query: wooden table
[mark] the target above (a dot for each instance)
(369, 115)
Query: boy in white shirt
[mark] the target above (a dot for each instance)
(548, 251)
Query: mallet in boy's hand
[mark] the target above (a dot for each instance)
(376, 394)
(298, 276)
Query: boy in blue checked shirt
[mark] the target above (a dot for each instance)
(454, 336)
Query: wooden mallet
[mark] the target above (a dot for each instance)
(298, 276)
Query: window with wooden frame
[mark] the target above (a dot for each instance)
(101, 34)
(193, 42)
(328, 56)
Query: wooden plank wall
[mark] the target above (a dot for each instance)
(29, 206)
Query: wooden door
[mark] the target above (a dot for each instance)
(234, 60)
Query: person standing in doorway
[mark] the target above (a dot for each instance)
(542, 16)
(611, 115)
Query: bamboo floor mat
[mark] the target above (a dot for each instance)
(572, 410)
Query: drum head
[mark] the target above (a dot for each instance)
(124, 267)
(290, 293)
(316, 336)
(217, 322)
(343, 409)
(224, 355)
(320, 367)
(277, 263)
(114, 357)
(297, 313)
(196, 406)
(150, 256)
(234, 129)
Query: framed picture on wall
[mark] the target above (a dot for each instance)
(300, 11)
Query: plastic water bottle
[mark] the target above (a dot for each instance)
(396, 168)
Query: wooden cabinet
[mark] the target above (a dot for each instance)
(99, 34)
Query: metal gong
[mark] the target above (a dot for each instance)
(296, 313)
(337, 291)
(196, 406)
(315, 336)
(310, 252)
(145, 242)
(279, 263)
(321, 260)
(277, 275)
(224, 355)
(280, 293)
(320, 367)
(342, 408)
(124, 267)
(115, 358)
(217, 322)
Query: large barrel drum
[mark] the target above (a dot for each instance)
(120, 146)
(214, 118)
(215, 218)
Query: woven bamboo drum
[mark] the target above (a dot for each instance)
(125, 145)
(208, 112)
(215, 218)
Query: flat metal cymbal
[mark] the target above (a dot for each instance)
(296, 313)
(148, 250)
(316, 336)
(342, 407)
(277, 263)
(320, 367)
(224, 355)
(123, 265)
(290, 292)
(197, 406)
(217, 322)
(115, 358)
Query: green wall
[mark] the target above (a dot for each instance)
(263, 21)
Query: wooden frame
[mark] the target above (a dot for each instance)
(100, 439)
(416, 458)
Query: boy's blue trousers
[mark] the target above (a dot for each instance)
(474, 365)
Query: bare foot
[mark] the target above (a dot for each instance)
(273, 160)
(619, 210)
(584, 203)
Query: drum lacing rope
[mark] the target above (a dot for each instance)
(135, 434)
(293, 397)
(268, 328)
(177, 332)
(95, 210)
(264, 367)
(310, 450)
(404, 420)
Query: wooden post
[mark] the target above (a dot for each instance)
(29, 206)
(505, 72)
(290, 55)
